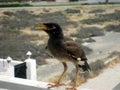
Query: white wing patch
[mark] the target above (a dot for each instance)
(81, 62)
(79, 59)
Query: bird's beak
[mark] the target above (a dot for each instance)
(40, 26)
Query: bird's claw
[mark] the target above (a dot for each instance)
(72, 88)
(54, 85)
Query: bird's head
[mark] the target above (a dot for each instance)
(52, 29)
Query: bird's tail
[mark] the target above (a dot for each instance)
(85, 67)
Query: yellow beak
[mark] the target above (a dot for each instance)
(40, 26)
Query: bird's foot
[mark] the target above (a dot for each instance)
(72, 88)
(54, 85)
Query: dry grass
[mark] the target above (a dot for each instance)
(113, 62)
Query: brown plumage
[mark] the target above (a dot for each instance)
(64, 49)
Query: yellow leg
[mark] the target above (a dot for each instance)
(76, 77)
(58, 82)
(76, 80)
(65, 69)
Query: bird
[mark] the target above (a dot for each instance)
(65, 49)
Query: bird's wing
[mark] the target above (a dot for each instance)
(67, 38)
(73, 49)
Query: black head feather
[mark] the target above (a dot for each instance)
(55, 31)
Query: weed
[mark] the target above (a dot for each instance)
(115, 28)
(97, 11)
(100, 18)
(15, 5)
(72, 11)
(86, 32)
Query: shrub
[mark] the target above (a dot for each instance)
(100, 18)
(46, 10)
(72, 11)
(115, 28)
(9, 26)
(87, 32)
(14, 5)
(20, 19)
(97, 11)
(97, 66)
(9, 13)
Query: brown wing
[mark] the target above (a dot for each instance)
(67, 39)
(73, 49)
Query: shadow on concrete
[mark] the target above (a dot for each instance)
(117, 87)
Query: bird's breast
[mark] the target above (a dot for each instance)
(55, 48)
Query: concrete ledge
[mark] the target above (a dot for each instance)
(11, 83)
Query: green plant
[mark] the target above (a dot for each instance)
(86, 32)
(15, 5)
(97, 11)
(100, 18)
(72, 11)
(115, 28)
(97, 66)
(9, 13)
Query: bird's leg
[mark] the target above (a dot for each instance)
(65, 69)
(58, 81)
(76, 80)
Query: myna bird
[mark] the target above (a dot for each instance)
(65, 50)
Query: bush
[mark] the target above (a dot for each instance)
(115, 28)
(97, 11)
(17, 20)
(100, 18)
(87, 32)
(72, 11)
(14, 5)
(97, 66)
(8, 13)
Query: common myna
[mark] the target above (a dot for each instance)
(65, 50)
